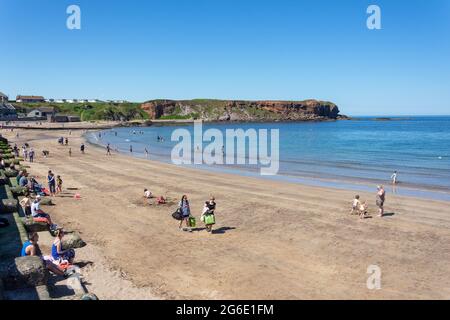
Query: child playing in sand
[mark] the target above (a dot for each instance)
(355, 205)
(59, 183)
(358, 207)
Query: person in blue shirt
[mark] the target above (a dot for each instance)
(51, 183)
(57, 250)
(31, 248)
(23, 181)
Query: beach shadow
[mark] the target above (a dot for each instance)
(83, 264)
(72, 189)
(222, 230)
(60, 291)
(198, 229)
(388, 214)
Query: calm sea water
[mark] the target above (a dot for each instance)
(355, 154)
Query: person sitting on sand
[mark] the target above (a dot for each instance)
(147, 194)
(23, 181)
(35, 187)
(185, 212)
(31, 248)
(19, 175)
(25, 203)
(36, 211)
(57, 250)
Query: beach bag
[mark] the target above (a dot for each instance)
(192, 222)
(210, 219)
(177, 215)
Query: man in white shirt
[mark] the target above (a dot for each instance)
(36, 211)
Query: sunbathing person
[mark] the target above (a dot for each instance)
(31, 248)
(57, 251)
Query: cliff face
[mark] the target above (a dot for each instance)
(223, 110)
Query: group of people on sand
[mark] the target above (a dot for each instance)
(207, 216)
(59, 261)
(183, 212)
(63, 141)
(361, 208)
(28, 153)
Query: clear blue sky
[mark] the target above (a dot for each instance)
(232, 49)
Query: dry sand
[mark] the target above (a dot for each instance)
(273, 240)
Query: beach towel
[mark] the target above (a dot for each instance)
(41, 219)
(62, 264)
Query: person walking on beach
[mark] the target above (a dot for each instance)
(131, 149)
(185, 210)
(24, 153)
(210, 207)
(66, 141)
(394, 178)
(381, 197)
(59, 183)
(31, 155)
(82, 148)
(108, 150)
(51, 183)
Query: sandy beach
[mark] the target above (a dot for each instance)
(273, 240)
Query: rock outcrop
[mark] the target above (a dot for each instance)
(223, 110)
(72, 240)
(24, 272)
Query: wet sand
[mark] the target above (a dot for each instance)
(273, 240)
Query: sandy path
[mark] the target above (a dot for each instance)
(274, 241)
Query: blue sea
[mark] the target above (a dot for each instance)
(357, 154)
